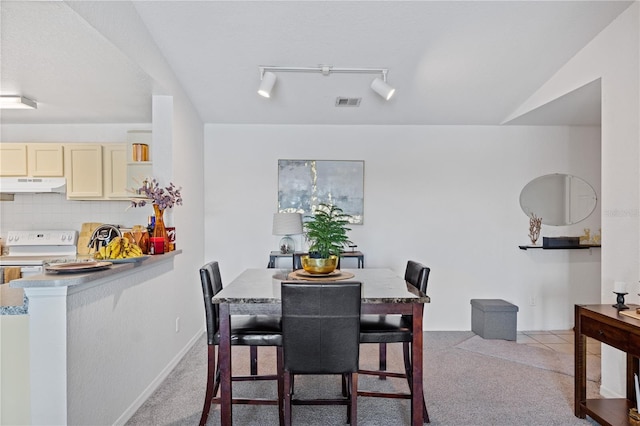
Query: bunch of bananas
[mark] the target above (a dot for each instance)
(119, 248)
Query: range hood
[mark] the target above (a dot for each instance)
(21, 185)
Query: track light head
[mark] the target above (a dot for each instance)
(267, 83)
(382, 88)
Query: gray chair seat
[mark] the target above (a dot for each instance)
(254, 330)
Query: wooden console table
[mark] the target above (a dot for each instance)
(605, 324)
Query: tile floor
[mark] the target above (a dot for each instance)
(561, 341)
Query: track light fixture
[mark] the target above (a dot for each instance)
(267, 83)
(379, 85)
(17, 102)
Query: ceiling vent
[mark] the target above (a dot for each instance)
(348, 102)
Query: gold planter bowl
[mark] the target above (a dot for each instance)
(319, 266)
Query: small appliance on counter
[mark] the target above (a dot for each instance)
(103, 235)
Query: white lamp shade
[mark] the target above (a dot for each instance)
(267, 83)
(287, 223)
(382, 88)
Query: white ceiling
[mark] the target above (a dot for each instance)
(452, 62)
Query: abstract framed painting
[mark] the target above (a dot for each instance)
(303, 184)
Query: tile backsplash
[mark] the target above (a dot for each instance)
(54, 211)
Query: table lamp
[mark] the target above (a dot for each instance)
(287, 224)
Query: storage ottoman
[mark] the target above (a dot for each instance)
(494, 318)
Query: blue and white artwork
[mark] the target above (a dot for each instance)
(303, 184)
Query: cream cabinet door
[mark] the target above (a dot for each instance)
(45, 159)
(83, 170)
(13, 159)
(115, 171)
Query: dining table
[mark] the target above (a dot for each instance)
(257, 292)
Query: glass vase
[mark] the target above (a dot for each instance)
(159, 230)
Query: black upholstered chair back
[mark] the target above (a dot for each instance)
(321, 327)
(418, 275)
(297, 262)
(211, 285)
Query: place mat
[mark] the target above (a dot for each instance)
(630, 313)
(336, 275)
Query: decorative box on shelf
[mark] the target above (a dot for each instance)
(560, 242)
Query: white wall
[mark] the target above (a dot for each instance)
(178, 290)
(120, 336)
(447, 196)
(176, 293)
(614, 56)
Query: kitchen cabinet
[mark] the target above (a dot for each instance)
(45, 159)
(14, 380)
(96, 171)
(115, 171)
(13, 159)
(31, 159)
(83, 170)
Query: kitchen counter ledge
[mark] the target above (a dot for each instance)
(109, 318)
(75, 279)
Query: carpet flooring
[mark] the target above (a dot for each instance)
(465, 384)
(532, 356)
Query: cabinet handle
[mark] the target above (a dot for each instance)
(601, 333)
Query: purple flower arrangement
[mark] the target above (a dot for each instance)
(163, 197)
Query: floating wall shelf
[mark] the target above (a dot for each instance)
(580, 247)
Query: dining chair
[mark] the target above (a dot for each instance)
(246, 330)
(297, 262)
(383, 329)
(321, 336)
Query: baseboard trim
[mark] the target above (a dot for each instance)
(137, 403)
(608, 393)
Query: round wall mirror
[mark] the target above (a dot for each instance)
(558, 199)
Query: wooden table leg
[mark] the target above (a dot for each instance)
(416, 363)
(225, 365)
(632, 368)
(580, 366)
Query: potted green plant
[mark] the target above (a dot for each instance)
(326, 232)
